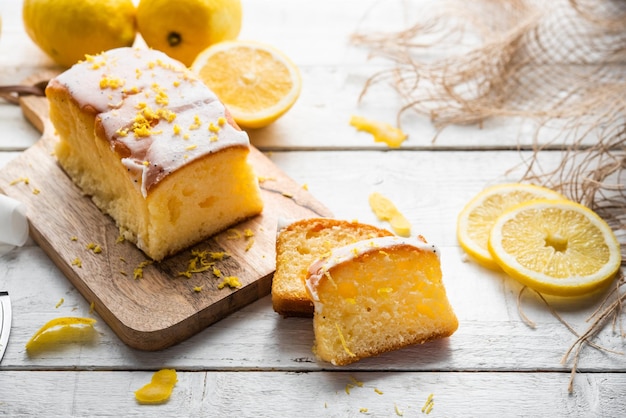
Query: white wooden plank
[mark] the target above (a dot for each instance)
(334, 74)
(430, 191)
(323, 394)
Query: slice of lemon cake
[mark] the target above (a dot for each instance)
(378, 295)
(298, 245)
(154, 147)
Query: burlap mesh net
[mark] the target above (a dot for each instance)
(560, 64)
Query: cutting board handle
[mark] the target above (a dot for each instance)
(36, 108)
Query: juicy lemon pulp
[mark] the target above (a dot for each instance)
(256, 82)
(556, 247)
(478, 216)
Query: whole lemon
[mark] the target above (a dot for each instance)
(183, 29)
(66, 30)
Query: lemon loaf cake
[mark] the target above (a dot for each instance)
(298, 245)
(378, 295)
(154, 147)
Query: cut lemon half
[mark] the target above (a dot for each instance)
(256, 82)
(557, 247)
(478, 216)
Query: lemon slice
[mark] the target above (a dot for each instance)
(557, 247)
(256, 82)
(478, 216)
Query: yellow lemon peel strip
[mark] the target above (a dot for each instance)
(60, 330)
(382, 132)
(159, 389)
(385, 210)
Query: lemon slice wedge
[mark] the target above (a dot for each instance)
(477, 217)
(557, 247)
(256, 82)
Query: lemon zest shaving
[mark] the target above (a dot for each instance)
(343, 341)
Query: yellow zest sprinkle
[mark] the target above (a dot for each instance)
(250, 244)
(363, 410)
(221, 121)
(230, 281)
(94, 247)
(111, 83)
(348, 388)
(176, 83)
(25, 180)
(77, 262)
(74, 238)
(92, 307)
(36, 191)
(248, 233)
(176, 128)
(59, 303)
(198, 263)
(356, 382)
(263, 178)
(343, 342)
(191, 147)
(305, 186)
(233, 233)
(351, 301)
(380, 392)
(428, 405)
(289, 195)
(120, 239)
(398, 411)
(138, 272)
(219, 255)
(197, 289)
(138, 73)
(122, 132)
(123, 273)
(217, 272)
(196, 123)
(186, 136)
(146, 163)
(213, 138)
(213, 128)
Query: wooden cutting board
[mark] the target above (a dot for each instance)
(161, 308)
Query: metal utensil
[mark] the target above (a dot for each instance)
(5, 321)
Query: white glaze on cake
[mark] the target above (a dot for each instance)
(320, 268)
(157, 115)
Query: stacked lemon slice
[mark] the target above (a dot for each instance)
(540, 238)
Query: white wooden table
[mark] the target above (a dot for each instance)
(256, 363)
